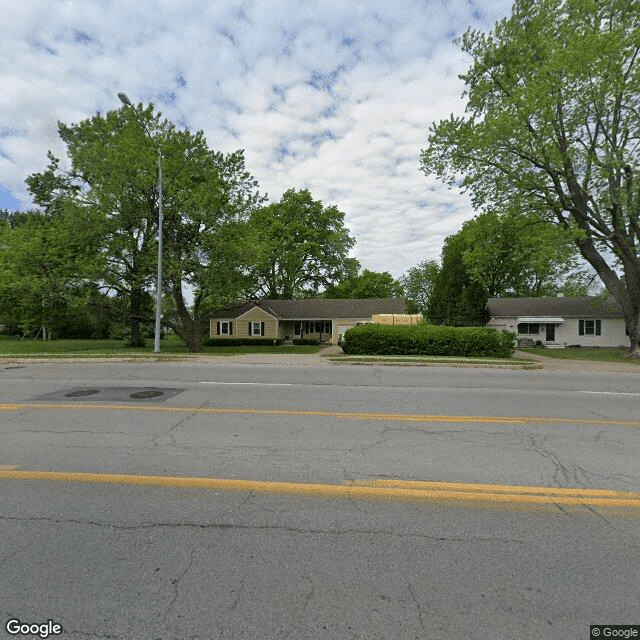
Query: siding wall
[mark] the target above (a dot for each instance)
(241, 325)
(612, 335)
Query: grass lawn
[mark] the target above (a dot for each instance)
(602, 354)
(170, 346)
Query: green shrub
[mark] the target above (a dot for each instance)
(430, 340)
(240, 342)
(306, 340)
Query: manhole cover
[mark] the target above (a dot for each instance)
(112, 394)
(142, 395)
(81, 392)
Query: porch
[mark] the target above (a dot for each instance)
(322, 330)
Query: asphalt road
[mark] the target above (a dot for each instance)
(338, 501)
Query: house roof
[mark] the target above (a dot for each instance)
(313, 309)
(575, 307)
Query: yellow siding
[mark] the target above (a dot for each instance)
(257, 315)
(241, 325)
(213, 328)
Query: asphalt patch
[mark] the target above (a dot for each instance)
(112, 394)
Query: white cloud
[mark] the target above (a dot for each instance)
(332, 96)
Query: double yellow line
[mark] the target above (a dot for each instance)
(363, 489)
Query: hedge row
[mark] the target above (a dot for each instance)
(426, 339)
(239, 342)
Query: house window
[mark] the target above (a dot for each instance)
(529, 327)
(589, 327)
(256, 328)
(319, 326)
(224, 328)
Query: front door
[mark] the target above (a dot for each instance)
(297, 330)
(551, 332)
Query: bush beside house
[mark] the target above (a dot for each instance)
(431, 340)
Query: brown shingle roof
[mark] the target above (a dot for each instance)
(312, 309)
(575, 307)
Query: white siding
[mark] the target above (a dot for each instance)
(612, 334)
(567, 333)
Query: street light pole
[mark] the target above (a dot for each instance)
(156, 341)
(156, 344)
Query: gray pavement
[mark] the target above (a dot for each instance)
(128, 561)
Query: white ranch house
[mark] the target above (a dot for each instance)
(587, 321)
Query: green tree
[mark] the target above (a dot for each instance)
(44, 261)
(456, 298)
(552, 125)
(299, 247)
(204, 225)
(517, 255)
(367, 284)
(113, 181)
(418, 284)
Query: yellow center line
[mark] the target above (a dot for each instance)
(344, 415)
(404, 490)
(497, 488)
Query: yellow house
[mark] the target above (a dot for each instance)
(287, 320)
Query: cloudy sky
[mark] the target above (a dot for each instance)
(333, 96)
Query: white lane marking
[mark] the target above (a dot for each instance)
(256, 384)
(611, 393)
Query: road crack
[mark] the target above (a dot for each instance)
(223, 526)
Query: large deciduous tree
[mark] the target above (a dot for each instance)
(553, 124)
(518, 255)
(113, 181)
(495, 256)
(367, 284)
(418, 283)
(300, 247)
(45, 263)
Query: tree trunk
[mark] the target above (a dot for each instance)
(190, 329)
(627, 296)
(136, 339)
(634, 337)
